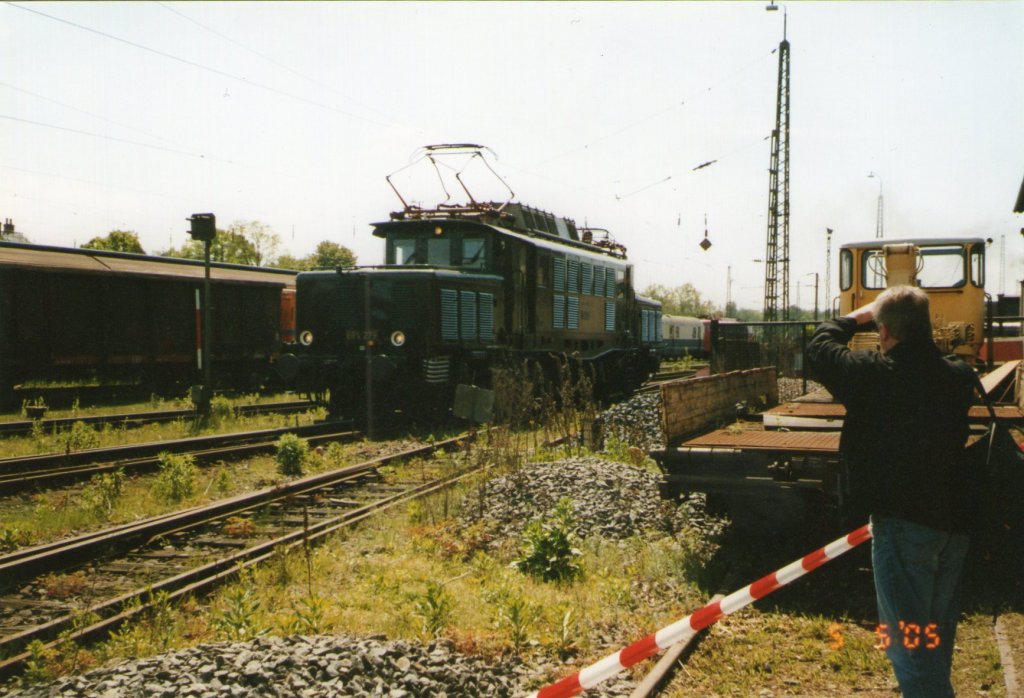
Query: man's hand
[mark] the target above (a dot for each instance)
(864, 314)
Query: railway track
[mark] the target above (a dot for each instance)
(25, 472)
(138, 419)
(124, 570)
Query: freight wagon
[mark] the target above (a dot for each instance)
(71, 315)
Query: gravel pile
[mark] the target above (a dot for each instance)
(307, 667)
(609, 499)
(636, 421)
(296, 666)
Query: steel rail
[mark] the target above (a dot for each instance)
(16, 566)
(48, 469)
(115, 611)
(665, 667)
(54, 476)
(137, 419)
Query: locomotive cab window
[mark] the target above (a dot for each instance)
(873, 271)
(474, 253)
(404, 251)
(978, 266)
(439, 252)
(845, 270)
(942, 267)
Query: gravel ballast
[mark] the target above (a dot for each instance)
(608, 499)
(299, 666)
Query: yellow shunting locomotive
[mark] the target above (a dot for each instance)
(950, 270)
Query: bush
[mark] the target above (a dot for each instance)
(221, 409)
(101, 494)
(81, 437)
(548, 552)
(292, 452)
(177, 478)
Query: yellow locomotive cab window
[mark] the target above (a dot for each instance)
(978, 266)
(845, 270)
(942, 267)
(873, 269)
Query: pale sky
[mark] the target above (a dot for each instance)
(135, 115)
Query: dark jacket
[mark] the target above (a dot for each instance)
(905, 427)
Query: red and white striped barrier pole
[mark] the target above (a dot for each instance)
(684, 629)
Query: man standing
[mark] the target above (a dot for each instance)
(903, 451)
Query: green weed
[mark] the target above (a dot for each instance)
(548, 552)
(309, 617)
(14, 538)
(101, 495)
(292, 453)
(434, 608)
(517, 616)
(177, 478)
(239, 617)
(80, 437)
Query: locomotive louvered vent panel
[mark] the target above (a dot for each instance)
(574, 275)
(609, 283)
(449, 314)
(487, 317)
(574, 312)
(645, 325)
(598, 281)
(437, 369)
(609, 315)
(467, 314)
(558, 273)
(587, 272)
(558, 312)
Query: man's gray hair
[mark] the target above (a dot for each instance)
(905, 312)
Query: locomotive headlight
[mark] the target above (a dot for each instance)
(305, 338)
(398, 338)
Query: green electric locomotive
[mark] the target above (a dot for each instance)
(463, 288)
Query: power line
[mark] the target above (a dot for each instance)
(115, 138)
(644, 119)
(701, 166)
(89, 113)
(162, 194)
(194, 64)
(267, 58)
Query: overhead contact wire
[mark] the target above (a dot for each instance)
(194, 64)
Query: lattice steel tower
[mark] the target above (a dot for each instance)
(776, 268)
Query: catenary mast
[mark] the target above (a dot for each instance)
(776, 268)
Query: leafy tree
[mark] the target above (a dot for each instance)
(680, 300)
(748, 315)
(117, 241)
(263, 241)
(286, 261)
(331, 254)
(227, 246)
(244, 242)
(327, 255)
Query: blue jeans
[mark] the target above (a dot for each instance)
(917, 584)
